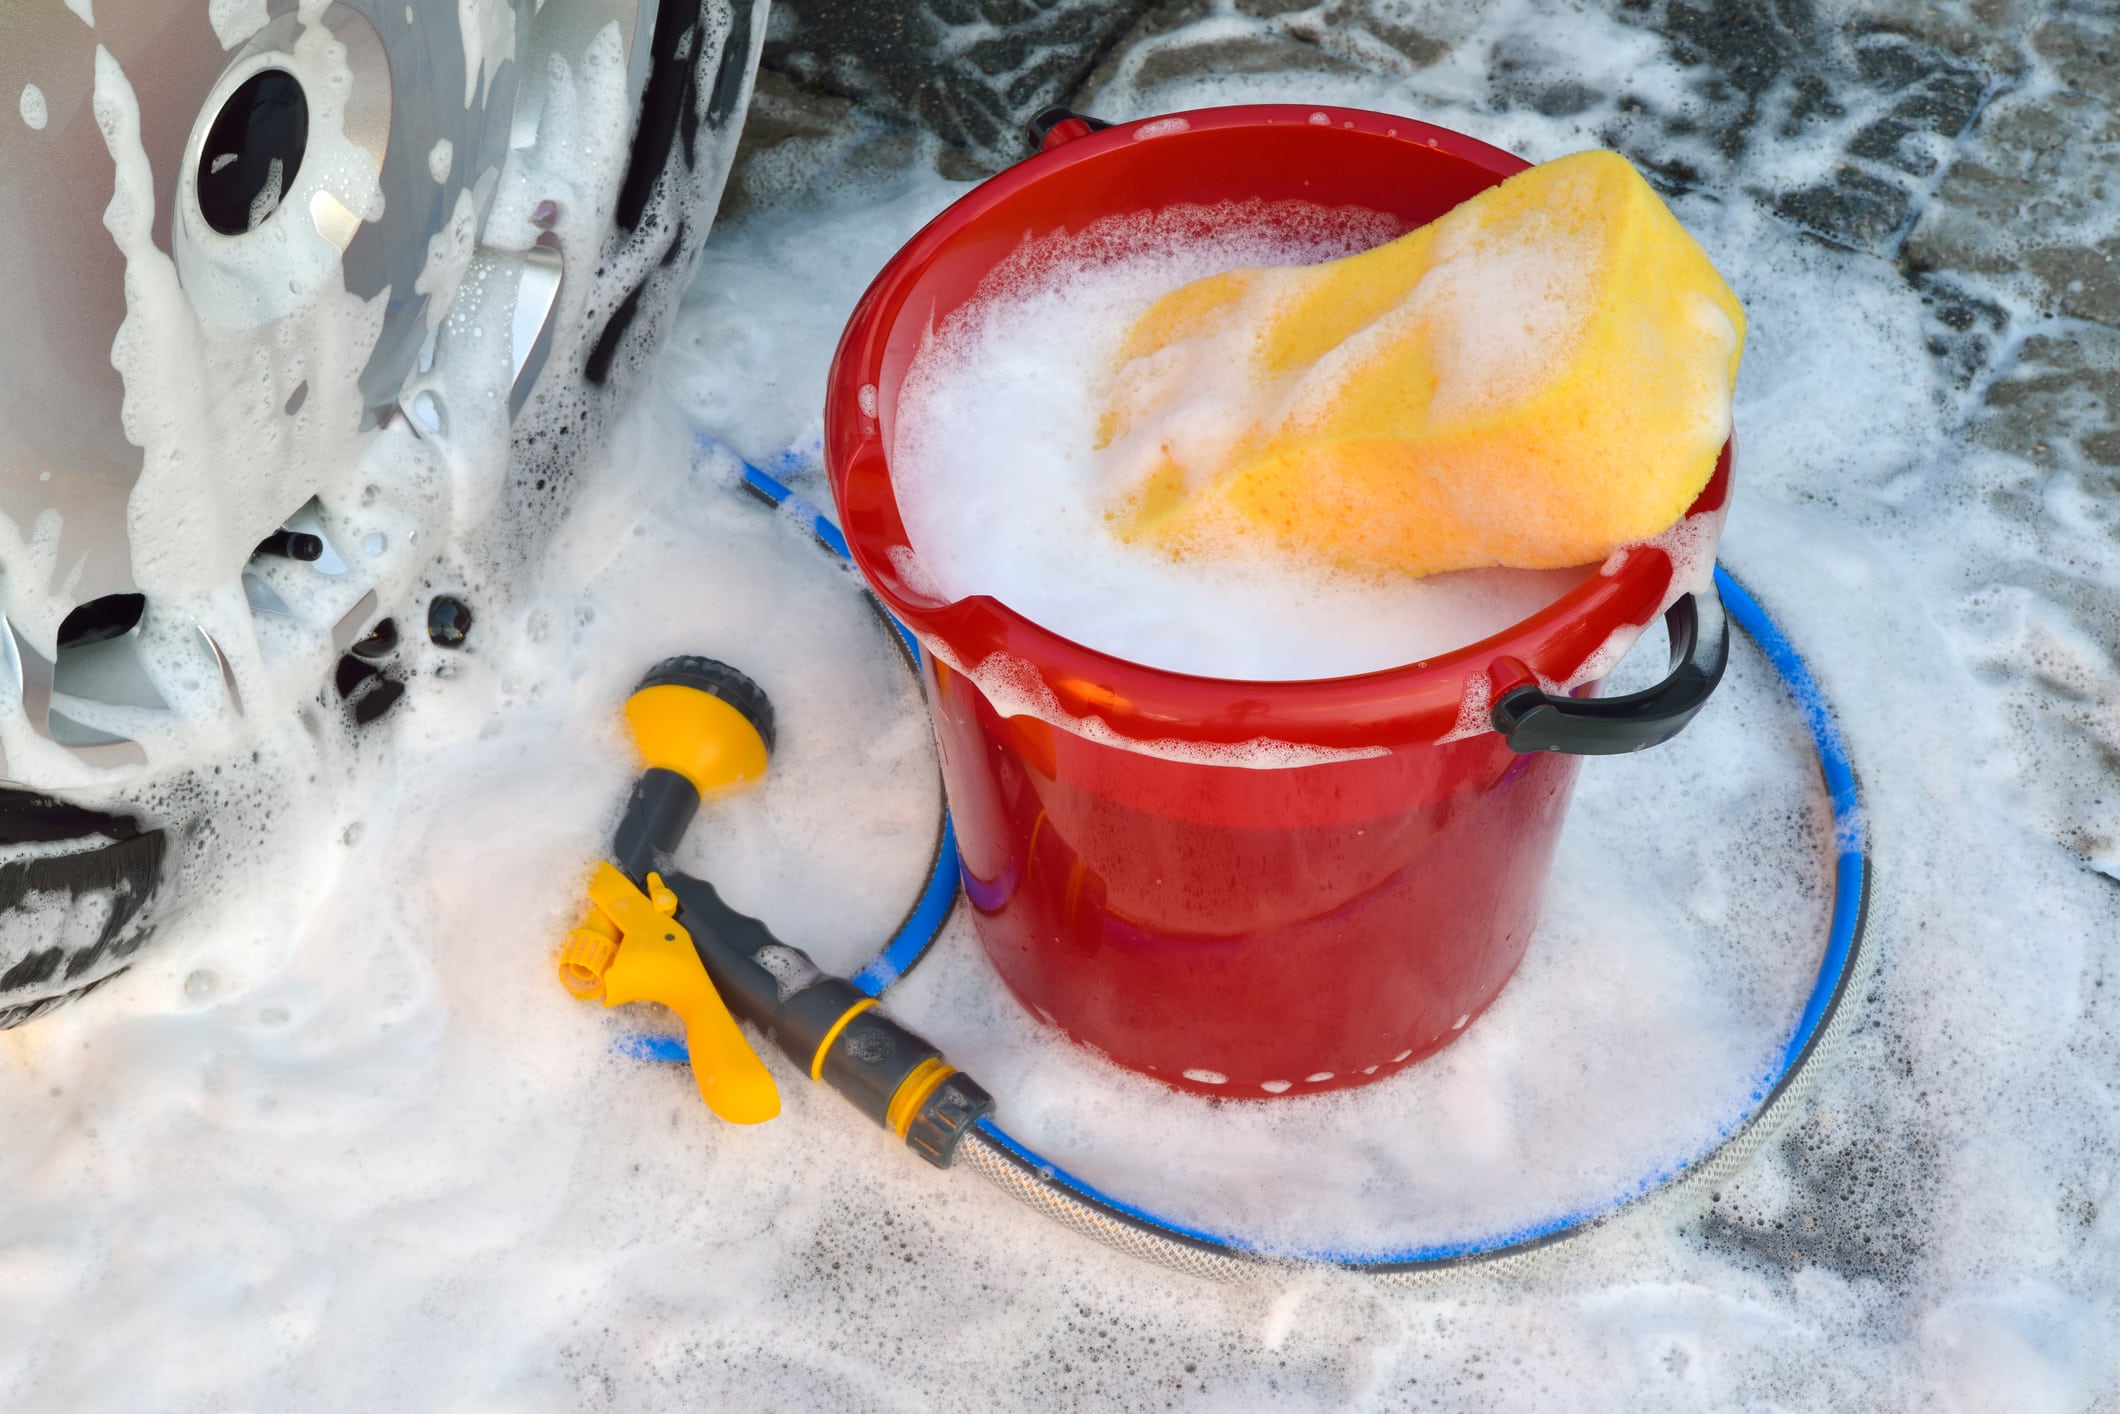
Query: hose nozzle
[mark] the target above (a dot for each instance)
(633, 950)
(704, 721)
(704, 730)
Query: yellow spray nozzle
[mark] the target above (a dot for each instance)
(705, 721)
(632, 949)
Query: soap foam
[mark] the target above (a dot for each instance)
(341, 1141)
(1003, 493)
(1014, 687)
(1502, 313)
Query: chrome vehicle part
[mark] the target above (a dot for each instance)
(296, 294)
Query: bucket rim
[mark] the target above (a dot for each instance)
(1409, 704)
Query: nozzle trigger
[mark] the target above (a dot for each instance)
(652, 959)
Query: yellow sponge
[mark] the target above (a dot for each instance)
(1537, 377)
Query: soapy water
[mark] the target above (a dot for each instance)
(381, 1160)
(996, 467)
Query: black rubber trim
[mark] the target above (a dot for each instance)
(732, 69)
(128, 870)
(688, 118)
(27, 818)
(598, 368)
(20, 1012)
(662, 106)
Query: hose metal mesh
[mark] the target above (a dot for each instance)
(1136, 1239)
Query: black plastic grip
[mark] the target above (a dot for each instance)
(870, 1055)
(658, 813)
(1532, 720)
(871, 1058)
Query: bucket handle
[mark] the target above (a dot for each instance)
(1531, 720)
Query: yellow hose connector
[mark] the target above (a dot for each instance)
(913, 1092)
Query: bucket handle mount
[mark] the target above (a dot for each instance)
(1532, 720)
(1056, 125)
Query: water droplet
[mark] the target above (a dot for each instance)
(201, 984)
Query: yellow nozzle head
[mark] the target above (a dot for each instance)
(705, 721)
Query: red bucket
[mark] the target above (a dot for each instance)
(1347, 900)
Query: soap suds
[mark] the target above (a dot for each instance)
(222, 462)
(234, 21)
(448, 256)
(1501, 313)
(385, 1162)
(33, 109)
(487, 28)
